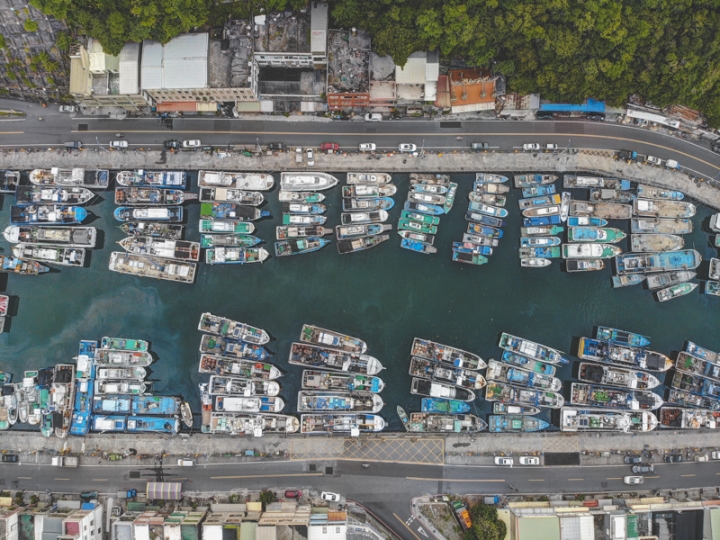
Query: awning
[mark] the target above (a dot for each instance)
(169, 491)
(177, 106)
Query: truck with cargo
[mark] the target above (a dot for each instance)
(127, 494)
(462, 514)
(65, 461)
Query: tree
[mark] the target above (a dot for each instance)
(267, 496)
(30, 25)
(485, 524)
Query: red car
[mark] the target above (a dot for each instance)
(329, 146)
(293, 494)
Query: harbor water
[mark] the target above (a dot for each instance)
(385, 296)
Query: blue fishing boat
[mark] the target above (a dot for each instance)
(621, 337)
(419, 247)
(444, 406)
(483, 230)
(232, 348)
(702, 352)
(172, 214)
(153, 424)
(585, 221)
(430, 209)
(538, 191)
(84, 389)
(542, 220)
(487, 209)
(526, 363)
(142, 178)
(696, 385)
(109, 423)
(103, 405)
(231, 211)
(298, 246)
(483, 219)
(467, 247)
(500, 423)
(539, 241)
(47, 214)
(641, 263)
(622, 355)
(155, 405)
(650, 192)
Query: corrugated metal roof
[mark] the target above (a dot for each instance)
(538, 528)
(185, 61)
(414, 70)
(318, 28)
(129, 82)
(151, 70)
(577, 528)
(266, 533)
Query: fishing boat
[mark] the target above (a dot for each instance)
(231, 212)
(611, 195)
(487, 198)
(675, 291)
(133, 373)
(530, 349)
(367, 205)
(682, 418)
(590, 395)
(234, 196)
(233, 348)
(228, 328)
(585, 221)
(349, 232)
(502, 408)
(124, 344)
(298, 246)
(588, 182)
(530, 180)
(649, 243)
(214, 226)
(621, 337)
(617, 376)
(84, 237)
(122, 358)
(303, 220)
(416, 226)
(109, 387)
(434, 189)
(9, 181)
(702, 352)
(627, 280)
(695, 384)
(446, 354)
(534, 262)
(443, 406)
(552, 252)
(506, 373)
(431, 370)
(426, 198)
(515, 424)
(108, 424)
(302, 354)
(218, 240)
(479, 240)
(714, 270)
(541, 221)
(65, 256)
(186, 414)
(565, 206)
(469, 258)
(368, 178)
(475, 249)
(153, 424)
(57, 195)
(161, 247)
(712, 288)
(610, 353)
(496, 391)
(308, 197)
(329, 338)
(235, 255)
(151, 196)
(583, 419)
(441, 423)
(535, 202)
(152, 267)
(687, 363)
(484, 219)
(489, 178)
(538, 191)
(361, 218)
(356, 402)
(47, 214)
(542, 211)
(638, 263)
(660, 226)
(686, 399)
(248, 424)
(548, 230)
(249, 404)
(651, 192)
(487, 209)
(302, 181)
(589, 251)
(143, 178)
(666, 279)
(595, 234)
(418, 247)
(584, 265)
(341, 423)
(605, 210)
(303, 208)
(93, 179)
(22, 267)
(483, 230)
(663, 208)
(284, 232)
(424, 208)
(417, 237)
(254, 181)
(360, 244)
(420, 217)
(237, 367)
(539, 241)
(493, 189)
(145, 228)
(429, 178)
(325, 380)
(372, 191)
(171, 214)
(233, 386)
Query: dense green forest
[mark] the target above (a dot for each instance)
(567, 50)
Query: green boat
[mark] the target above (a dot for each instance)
(450, 197)
(422, 218)
(469, 258)
(212, 226)
(122, 344)
(605, 235)
(675, 291)
(416, 226)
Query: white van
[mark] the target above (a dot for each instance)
(186, 462)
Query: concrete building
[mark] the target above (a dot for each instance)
(328, 526)
(84, 524)
(9, 523)
(416, 81)
(471, 90)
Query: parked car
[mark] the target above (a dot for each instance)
(639, 469)
(373, 117)
(74, 145)
(277, 147)
(504, 461)
(191, 143)
(367, 147)
(673, 458)
(329, 146)
(631, 460)
(531, 146)
(293, 494)
(67, 108)
(715, 455)
(186, 462)
(298, 155)
(702, 458)
(310, 157)
(551, 146)
(654, 160)
(633, 480)
(172, 144)
(529, 460)
(10, 458)
(544, 115)
(407, 147)
(118, 144)
(479, 146)
(596, 117)
(329, 496)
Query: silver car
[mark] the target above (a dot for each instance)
(367, 147)
(407, 147)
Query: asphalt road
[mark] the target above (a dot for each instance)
(384, 488)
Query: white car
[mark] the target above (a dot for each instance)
(531, 146)
(406, 147)
(367, 147)
(67, 108)
(715, 455)
(118, 144)
(311, 157)
(186, 462)
(504, 461)
(702, 458)
(633, 480)
(329, 496)
(192, 143)
(551, 147)
(654, 160)
(529, 460)
(373, 117)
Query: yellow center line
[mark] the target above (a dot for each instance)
(618, 478)
(575, 479)
(652, 477)
(451, 479)
(536, 479)
(687, 475)
(405, 525)
(24, 477)
(263, 476)
(62, 479)
(100, 479)
(11, 132)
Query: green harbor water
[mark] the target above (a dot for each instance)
(385, 296)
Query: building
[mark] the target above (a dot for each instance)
(9, 523)
(83, 524)
(328, 526)
(348, 85)
(416, 82)
(471, 90)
